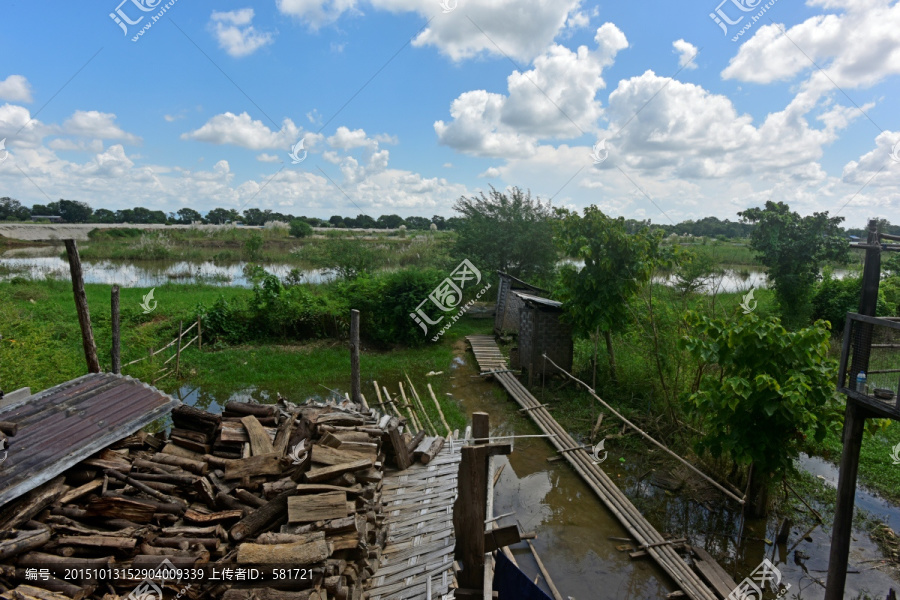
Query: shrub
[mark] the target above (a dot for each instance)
(386, 300)
(253, 245)
(300, 229)
(834, 298)
(114, 233)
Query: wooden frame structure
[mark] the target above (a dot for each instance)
(860, 406)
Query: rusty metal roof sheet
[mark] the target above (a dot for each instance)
(63, 425)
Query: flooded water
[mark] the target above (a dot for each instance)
(574, 528)
(147, 273)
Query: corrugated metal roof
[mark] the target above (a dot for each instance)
(538, 300)
(63, 425)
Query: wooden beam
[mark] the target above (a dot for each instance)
(354, 357)
(81, 306)
(116, 340)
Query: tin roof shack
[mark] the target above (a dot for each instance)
(541, 332)
(506, 317)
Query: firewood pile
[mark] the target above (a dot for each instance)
(294, 489)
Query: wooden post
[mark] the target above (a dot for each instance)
(854, 425)
(178, 350)
(199, 335)
(81, 305)
(116, 341)
(470, 509)
(354, 357)
(481, 427)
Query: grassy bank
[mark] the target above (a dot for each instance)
(41, 347)
(268, 245)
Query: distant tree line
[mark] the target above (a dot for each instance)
(73, 211)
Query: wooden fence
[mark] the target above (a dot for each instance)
(180, 346)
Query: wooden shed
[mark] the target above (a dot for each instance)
(542, 332)
(506, 317)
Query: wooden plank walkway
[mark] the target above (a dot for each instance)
(418, 503)
(609, 493)
(487, 354)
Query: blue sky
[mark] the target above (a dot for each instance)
(403, 106)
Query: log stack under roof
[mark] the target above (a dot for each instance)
(295, 487)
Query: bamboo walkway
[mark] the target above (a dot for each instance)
(487, 353)
(419, 507)
(646, 536)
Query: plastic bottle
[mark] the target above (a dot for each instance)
(861, 382)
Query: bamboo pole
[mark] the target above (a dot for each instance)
(638, 527)
(116, 340)
(178, 351)
(391, 404)
(411, 409)
(437, 404)
(81, 306)
(540, 564)
(199, 335)
(647, 436)
(415, 395)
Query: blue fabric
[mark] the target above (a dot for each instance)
(512, 584)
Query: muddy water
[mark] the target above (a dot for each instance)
(572, 525)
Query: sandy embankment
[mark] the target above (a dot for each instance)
(75, 231)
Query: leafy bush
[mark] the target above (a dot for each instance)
(770, 390)
(386, 300)
(834, 298)
(300, 229)
(346, 256)
(253, 245)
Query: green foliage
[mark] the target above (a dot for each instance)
(114, 233)
(253, 245)
(794, 249)
(386, 300)
(511, 233)
(765, 390)
(834, 298)
(274, 311)
(347, 256)
(616, 266)
(300, 229)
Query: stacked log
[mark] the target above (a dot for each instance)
(295, 487)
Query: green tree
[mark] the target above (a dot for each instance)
(616, 266)
(13, 210)
(794, 249)
(389, 221)
(219, 216)
(300, 229)
(73, 211)
(762, 392)
(103, 215)
(186, 216)
(511, 233)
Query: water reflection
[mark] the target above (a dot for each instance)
(149, 274)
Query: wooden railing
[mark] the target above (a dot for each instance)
(180, 346)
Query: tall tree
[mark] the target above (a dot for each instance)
(73, 211)
(794, 249)
(186, 216)
(768, 391)
(617, 265)
(218, 216)
(507, 232)
(13, 210)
